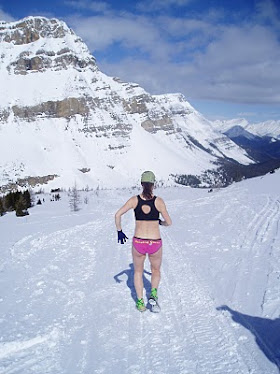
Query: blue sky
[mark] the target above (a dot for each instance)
(223, 55)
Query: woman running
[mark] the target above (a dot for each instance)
(146, 240)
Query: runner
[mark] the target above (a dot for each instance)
(147, 239)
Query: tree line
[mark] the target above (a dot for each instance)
(16, 201)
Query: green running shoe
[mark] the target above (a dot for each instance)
(153, 297)
(140, 305)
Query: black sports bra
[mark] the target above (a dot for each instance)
(153, 215)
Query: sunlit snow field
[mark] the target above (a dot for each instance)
(67, 297)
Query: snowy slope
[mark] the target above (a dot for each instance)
(267, 128)
(239, 131)
(62, 115)
(67, 299)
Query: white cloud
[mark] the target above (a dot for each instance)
(5, 16)
(267, 11)
(247, 114)
(95, 6)
(154, 5)
(242, 66)
(179, 27)
(202, 58)
(136, 32)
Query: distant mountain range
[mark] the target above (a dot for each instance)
(267, 128)
(63, 121)
(260, 140)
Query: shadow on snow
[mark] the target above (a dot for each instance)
(130, 281)
(266, 332)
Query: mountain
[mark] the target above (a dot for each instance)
(62, 120)
(266, 128)
(261, 141)
(240, 132)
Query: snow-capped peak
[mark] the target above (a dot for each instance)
(69, 121)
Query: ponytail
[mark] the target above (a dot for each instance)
(147, 190)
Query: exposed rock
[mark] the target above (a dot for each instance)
(4, 114)
(32, 181)
(66, 60)
(25, 54)
(117, 147)
(41, 62)
(84, 170)
(31, 29)
(153, 126)
(57, 109)
(28, 181)
(25, 37)
(137, 104)
(114, 129)
(62, 51)
(35, 64)
(46, 53)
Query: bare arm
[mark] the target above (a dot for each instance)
(160, 205)
(130, 204)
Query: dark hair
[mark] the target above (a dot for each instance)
(147, 190)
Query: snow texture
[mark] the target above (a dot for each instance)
(67, 302)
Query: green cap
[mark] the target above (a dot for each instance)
(148, 176)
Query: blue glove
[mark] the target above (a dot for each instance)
(121, 237)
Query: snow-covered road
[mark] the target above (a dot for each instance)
(67, 296)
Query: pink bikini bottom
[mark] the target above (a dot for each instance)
(144, 246)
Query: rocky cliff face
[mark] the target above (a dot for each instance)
(55, 96)
(34, 33)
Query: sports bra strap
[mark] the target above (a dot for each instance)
(140, 215)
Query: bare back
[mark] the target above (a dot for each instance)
(144, 229)
(150, 229)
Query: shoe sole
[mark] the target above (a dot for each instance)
(152, 302)
(141, 311)
(155, 309)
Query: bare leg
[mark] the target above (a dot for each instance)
(155, 260)
(138, 262)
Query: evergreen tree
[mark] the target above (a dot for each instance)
(27, 198)
(2, 209)
(11, 200)
(74, 198)
(21, 209)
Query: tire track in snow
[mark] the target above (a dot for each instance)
(56, 285)
(20, 355)
(177, 347)
(270, 302)
(255, 262)
(100, 329)
(270, 219)
(211, 343)
(153, 342)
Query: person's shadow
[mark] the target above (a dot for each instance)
(266, 332)
(130, 281)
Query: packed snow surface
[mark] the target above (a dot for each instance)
(67, 298)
